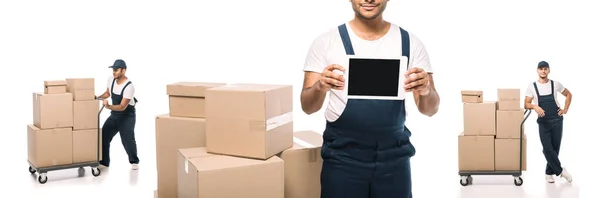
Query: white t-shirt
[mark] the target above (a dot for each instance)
(328, 49)
(128, 93)
(545, 89)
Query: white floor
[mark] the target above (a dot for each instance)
(434, 172)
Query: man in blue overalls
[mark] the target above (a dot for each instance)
(122, 116)
(550, 118)
(366, 149)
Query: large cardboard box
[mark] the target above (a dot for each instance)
(249, 120)
(186, 99)
(303, 164)
(52, 110)
(508, 123)
(472, 96)
(55, 86)
(507, 154)
(509, 99)
(49, 147)
(85, 145)
(173, 133)
(203, 175)
(475, 153)
(85, 114)
(479, 118)
(81, 88)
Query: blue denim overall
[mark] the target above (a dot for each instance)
(551, 129)
(366, 151)
(122, 122)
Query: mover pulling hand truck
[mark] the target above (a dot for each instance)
(42, 171)
(465, 176)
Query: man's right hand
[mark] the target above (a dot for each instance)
(539, 111)
(331, 80)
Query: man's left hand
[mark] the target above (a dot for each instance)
(562, 112)
(105, 103)
(417, 80)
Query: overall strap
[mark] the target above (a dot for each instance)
(113, 86)
(405, 45)
(536, 90)
(343, 30)
(123, 91)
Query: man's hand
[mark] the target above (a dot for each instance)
(105, 103)
(562, 112)
(331, 80)
(417, 80)
(539, 111)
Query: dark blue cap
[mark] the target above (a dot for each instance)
(543, 64)
(118, 64)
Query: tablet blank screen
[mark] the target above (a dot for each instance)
(373, 77)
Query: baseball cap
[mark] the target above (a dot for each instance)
(118, 64)
(543, 64)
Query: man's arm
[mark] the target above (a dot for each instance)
(428, 103)
(568, 96)
(105, 95)
(312, 96)
(528, 103)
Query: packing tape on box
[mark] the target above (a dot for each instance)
(303, 143)
(186, 165)
(280, 120)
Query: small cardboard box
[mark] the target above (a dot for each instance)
(509, 94)
(475, 153)
(52, 110)
(472, 96)
(55, 86)
(85, 145)
(85, 114)
(303, 164)
(479, 118)
(187, 99)
(81, 88)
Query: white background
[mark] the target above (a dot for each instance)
(472, 45)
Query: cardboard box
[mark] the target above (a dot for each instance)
(249, 120)
(52, 110)
(475, 153)
(55, 86)
(191, 107)
(191, 89)
(509, 105)
(85, 114)
(173, 133)
(85, 145)
(186, 99)
(479, 118)
(81, 88)
(472, 96)
(204, 175)
(508, 123)
(49, 147)
(507, 154)
(509, 94)
(303, 164)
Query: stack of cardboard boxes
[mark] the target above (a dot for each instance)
(66, 113)
(490, 139)
(248, 136)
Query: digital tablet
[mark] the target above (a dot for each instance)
(379, 78)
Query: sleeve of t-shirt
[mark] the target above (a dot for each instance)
(559, 87)
(109, 82)
(529, 92)
(129, 92)
(418, 55)
(315, 58)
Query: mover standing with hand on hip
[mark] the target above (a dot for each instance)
(366, 148)
(550, 118)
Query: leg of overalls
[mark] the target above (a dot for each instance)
(109, 130)
(546, 129)
(126, 130)
(393, 173)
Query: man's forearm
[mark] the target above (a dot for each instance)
(116, 107)
(103, 96)
(312, 99)
(529, 106)
(568, 101)
(429, 103)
